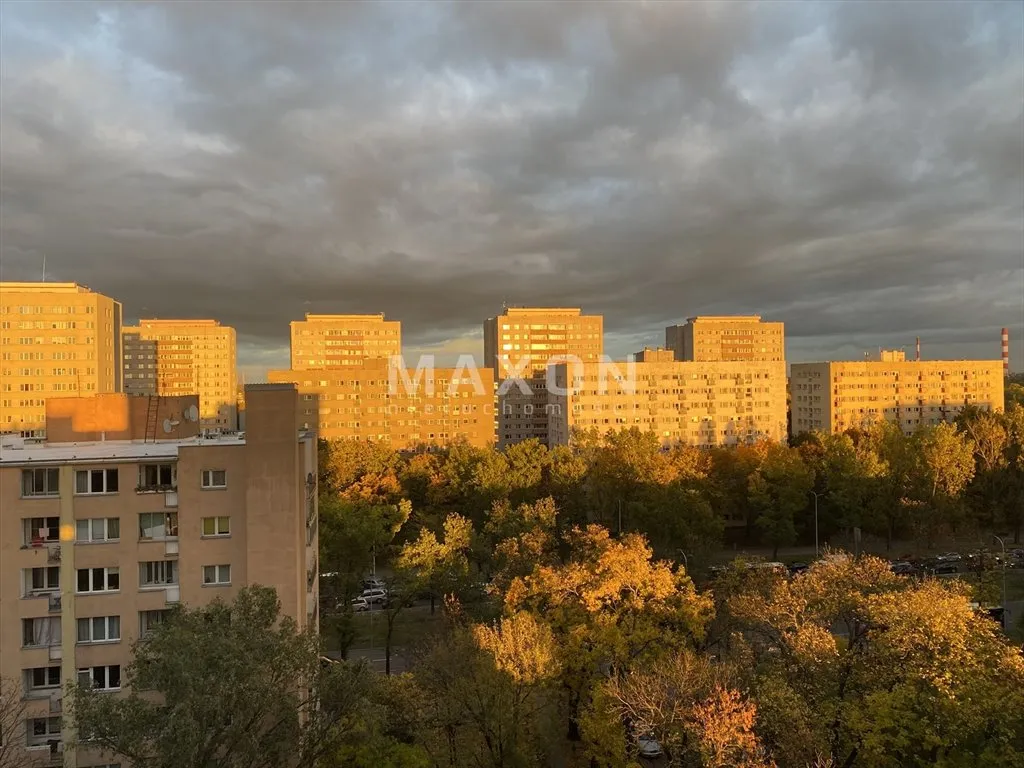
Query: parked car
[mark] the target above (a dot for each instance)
(949, 557)
(374, 583)
(648, 747)
(795, 568)
(943, 568)
(375, 596)
(902, 568)
(360, 604)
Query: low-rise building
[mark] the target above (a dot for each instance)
(110, 523)
(696, 403)
(840, 395)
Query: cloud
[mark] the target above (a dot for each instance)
(855, 170)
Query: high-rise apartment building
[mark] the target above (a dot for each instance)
(192, 357)
(519, 344)
(399, 407)
(139, 364)
(727, 338)
(835, 396)
(696, 403)
(333, 341)
(56, 340)
(102, 531)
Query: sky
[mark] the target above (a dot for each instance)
(855, 170)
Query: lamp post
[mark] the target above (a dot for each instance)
(1003, 546)
(686, 562)
(815, 495)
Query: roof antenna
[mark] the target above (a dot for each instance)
(44, 267)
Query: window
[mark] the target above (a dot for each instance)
(107, 678)
(40, 482)
(98, 529)
(40, 633)
(36, 531)
(42, 580)
(96, 480)
(42, 678)
(216, 526)
(99, 629)
(215, 478)
(157, 476)
(99, 579)
(150, 619)
(216, 574)
(158, 525)
(42, 730)
(158, 573)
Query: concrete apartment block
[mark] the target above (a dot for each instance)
(835, 396)
(102, 532)
(56, 339)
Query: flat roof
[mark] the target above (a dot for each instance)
(107, 450)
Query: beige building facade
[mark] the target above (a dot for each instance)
(192, 357)
(727, 338)
(102, 532)
(519, 344)
(338, 341)
(695, 403)
(400, 407)
(836, 396)
(56, 340)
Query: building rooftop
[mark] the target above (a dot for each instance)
(325, 318)
(44, 287)
(16, 450)
(724, 319)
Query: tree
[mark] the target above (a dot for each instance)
(610, 606)
(686, 702)
(12, 724)
(779, 489)
(351, 534)
(852, 663)
(441, 567)
(944, 467)
(238, 685)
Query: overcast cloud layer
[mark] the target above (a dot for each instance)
(855, 170)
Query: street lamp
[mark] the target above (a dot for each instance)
(815, 494)
(1003, 546)
(686, 562)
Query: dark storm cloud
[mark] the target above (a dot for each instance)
(856, 170)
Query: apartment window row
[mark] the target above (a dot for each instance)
(45, 481)
(37, 582)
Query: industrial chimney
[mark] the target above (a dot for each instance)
(1006, 351)
(917, 349)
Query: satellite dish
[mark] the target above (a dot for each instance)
(167, 425)
(191, 413)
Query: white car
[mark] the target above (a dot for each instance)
(649, 747)
(375, 596)
(360, 604)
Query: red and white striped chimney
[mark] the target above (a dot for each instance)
(1006, 351)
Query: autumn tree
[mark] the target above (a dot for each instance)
(611, 605)
(688, 704)
(866, 668)
(439, 566)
